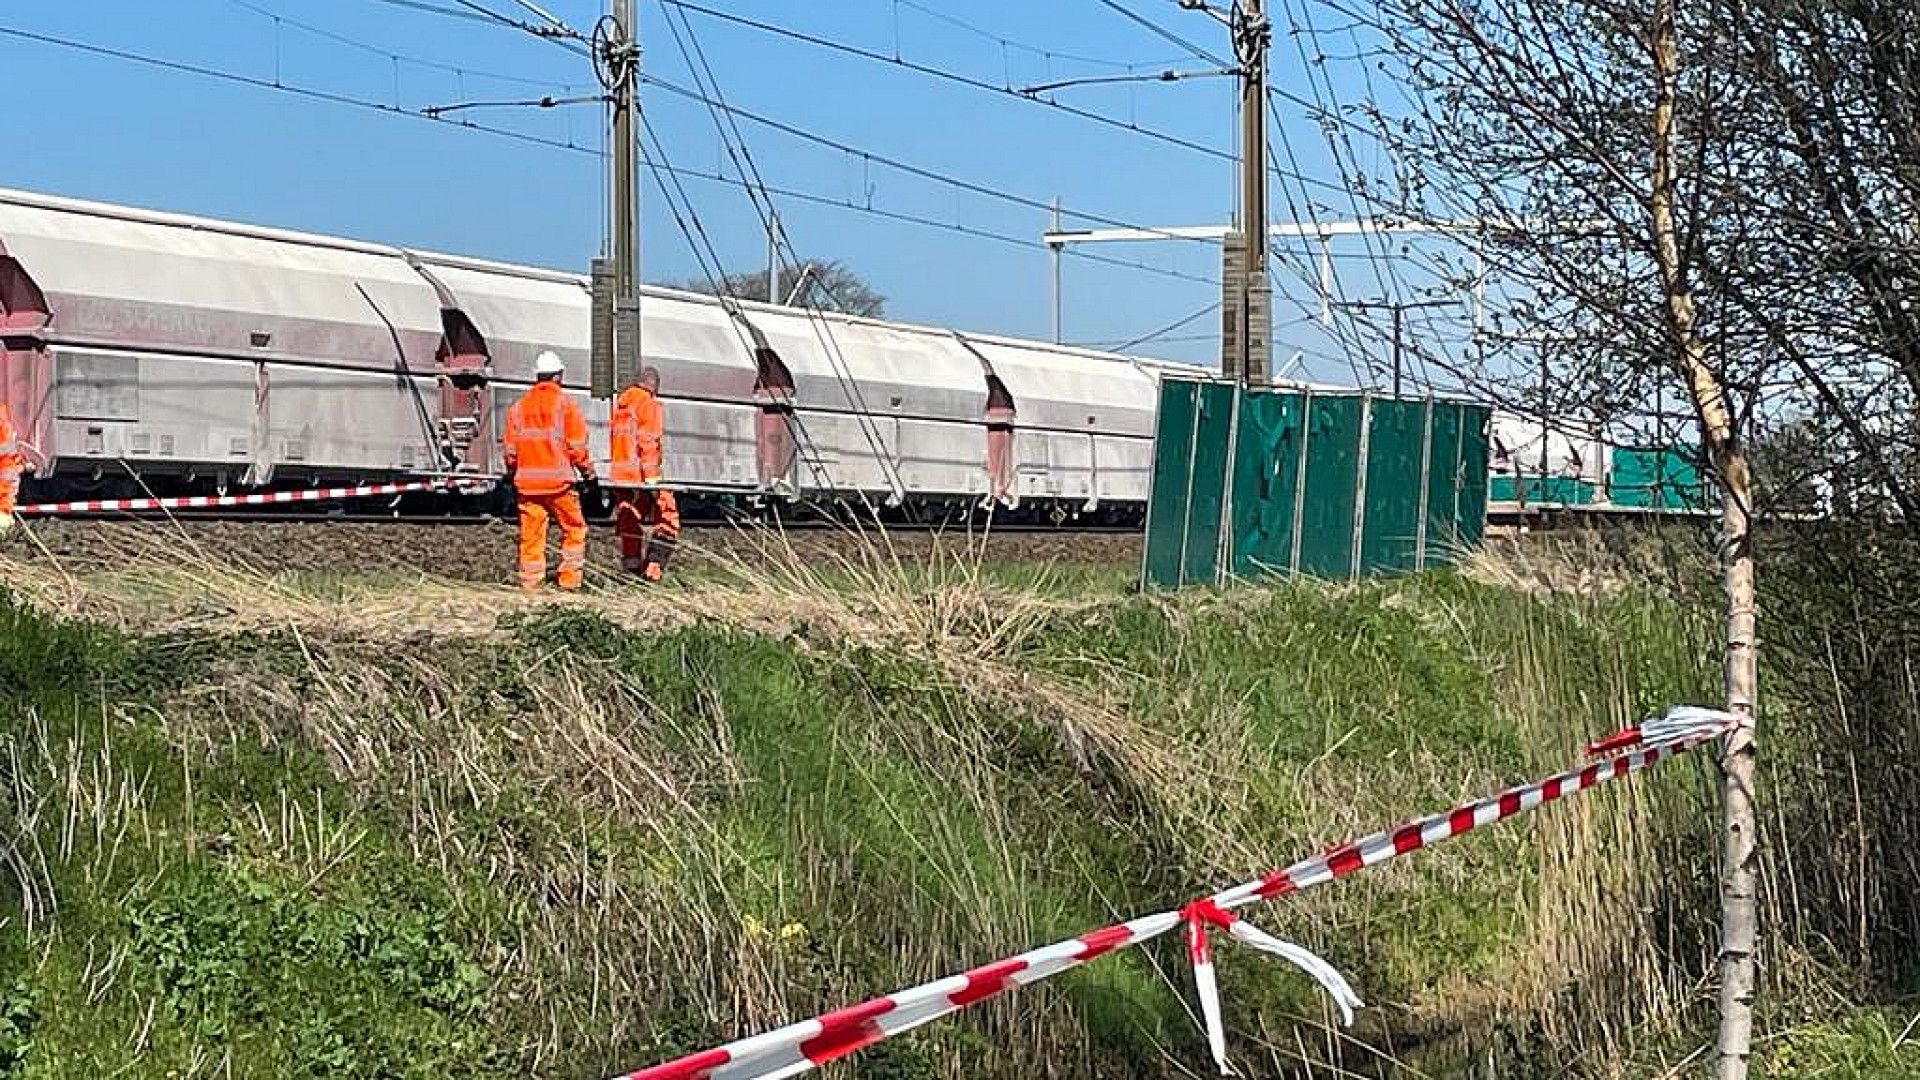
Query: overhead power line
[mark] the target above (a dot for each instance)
(1009, 43)
(941, 73)
(1162, 32)
(1346, 159)
(436, 9)
(548, 26)
(389, 54)
(1160, 334)
(971, 186)
(969, 81)
(349, 101)
(312, 93)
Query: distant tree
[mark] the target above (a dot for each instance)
(827, 284)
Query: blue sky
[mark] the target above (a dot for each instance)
(110, 129)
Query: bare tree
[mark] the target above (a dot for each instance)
(1593, 133)
(1740, 824)
(825, 284)
(1832, 219)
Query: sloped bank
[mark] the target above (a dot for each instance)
(582, 842)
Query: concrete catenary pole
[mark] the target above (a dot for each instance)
(623, 64)
(1250, 358)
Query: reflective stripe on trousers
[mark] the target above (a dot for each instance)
(563, 509)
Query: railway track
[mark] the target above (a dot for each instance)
(801, 525)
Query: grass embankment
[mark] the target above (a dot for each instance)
(264, 829)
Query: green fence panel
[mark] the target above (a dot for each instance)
(1396, 443)
(1333, 427)
(1470, 525)
(1266, 482)
(1167, 500)
(1443, 483)
(1261, 482)
(1213, 431)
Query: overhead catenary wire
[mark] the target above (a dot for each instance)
(1298, 177)
(1353, 347)
(1294, 175)
(392, 55)
(547, 28)
(314, 93)
(969, 81)
(436, 9)
(974, 187)
(1010, 43)
(1346, 159)
(725, 117)
(568, 145)
(707, 257)
(1178, 324)
(714, 101)
(803, 439)
(1162, 32)
(735, 143)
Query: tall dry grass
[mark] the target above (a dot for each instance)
(666, 815)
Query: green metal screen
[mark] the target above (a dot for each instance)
(1250, 482)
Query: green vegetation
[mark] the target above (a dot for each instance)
(581, 841)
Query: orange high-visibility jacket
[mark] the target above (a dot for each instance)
(545, 441)
(638, 425)
(11, 456)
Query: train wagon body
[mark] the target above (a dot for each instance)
(1554, 467)
(148, 350)
(142, 350)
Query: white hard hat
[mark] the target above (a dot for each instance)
(548, 363)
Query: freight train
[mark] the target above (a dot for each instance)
(149, 352)
(141, 350)
(1553, 468)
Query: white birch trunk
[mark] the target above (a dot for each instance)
(1738, 915)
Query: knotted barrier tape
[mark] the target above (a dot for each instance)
(798, 1048)
(213, 502)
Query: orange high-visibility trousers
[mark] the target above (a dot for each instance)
(563, 507)
(647, 523)
(9, 487)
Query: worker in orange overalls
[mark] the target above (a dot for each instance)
(545, 446)
(12, 463)
(645, 516)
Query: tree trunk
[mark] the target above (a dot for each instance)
(1738, 920)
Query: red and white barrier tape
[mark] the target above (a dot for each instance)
(797, 1048)
(210, 502)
